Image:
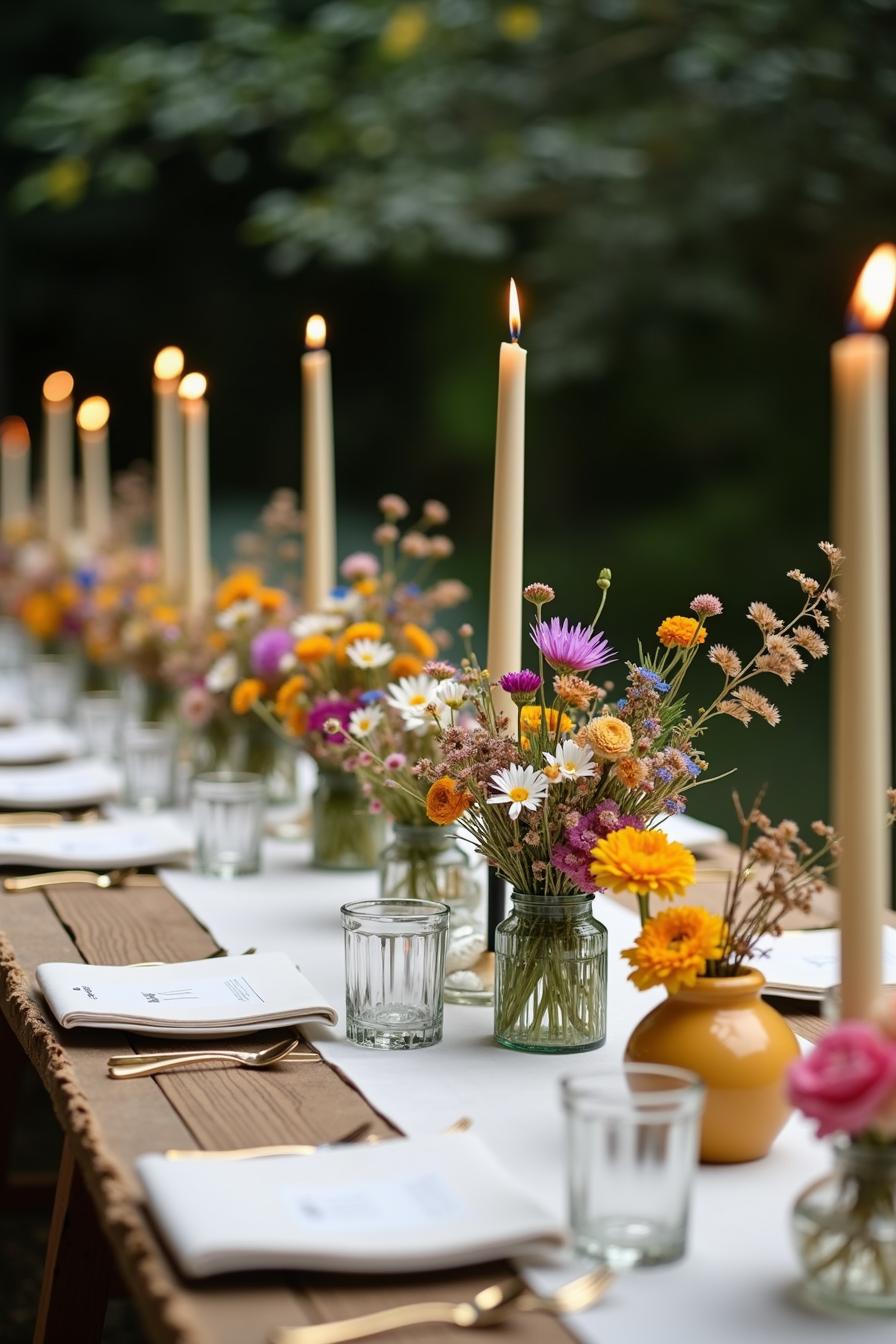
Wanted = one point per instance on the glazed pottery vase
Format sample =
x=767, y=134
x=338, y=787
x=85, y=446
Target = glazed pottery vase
x=845, y=1230
x=724, y=1032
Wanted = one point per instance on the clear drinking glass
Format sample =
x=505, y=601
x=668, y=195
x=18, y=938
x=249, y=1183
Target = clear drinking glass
x=394, y=971
x=100, y=719
x=52, y=686
x=150, y=757
x=633, y=1136
x=228, y=811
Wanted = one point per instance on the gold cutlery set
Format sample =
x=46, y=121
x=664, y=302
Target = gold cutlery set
x=165, y=1061
x=116, y=877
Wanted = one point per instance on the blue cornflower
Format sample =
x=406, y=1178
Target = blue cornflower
x=674, y=806
x=339, y=591
x=692, y=767
x=654, y=678
x=371, y=697
x=621, y=704
x=652, y=725
x=86, y=579
x=665, y=774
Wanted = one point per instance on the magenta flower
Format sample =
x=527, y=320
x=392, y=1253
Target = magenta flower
x=571, y=648
x=573, y=855
x=340, y=711
x=266, y=651
x=847, y=1079
x=520, y=686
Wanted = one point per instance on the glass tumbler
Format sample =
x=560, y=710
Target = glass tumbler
x=394, y=972
x=52, y=686
x=150, y=757
x=228, y=812
x=633, y=1136
x=100, y=717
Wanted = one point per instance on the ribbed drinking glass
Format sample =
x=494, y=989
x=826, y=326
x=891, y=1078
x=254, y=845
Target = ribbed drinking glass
x=394, y=972
x=150, y=757
x=228, y=812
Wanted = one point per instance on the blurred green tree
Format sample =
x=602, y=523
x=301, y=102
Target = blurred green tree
x=631, y=154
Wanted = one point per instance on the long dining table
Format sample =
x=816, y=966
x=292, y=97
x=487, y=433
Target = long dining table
x=740, y=1274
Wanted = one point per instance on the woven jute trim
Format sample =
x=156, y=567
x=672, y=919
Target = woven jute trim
x=116, y=1205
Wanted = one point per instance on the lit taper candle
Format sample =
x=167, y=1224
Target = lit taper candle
x=861, y=671
x=93, y=433
x=505, y=604
x=15, y=479
x=169, y=468
x=58, y=449
x=318, y=487
x=191, y=391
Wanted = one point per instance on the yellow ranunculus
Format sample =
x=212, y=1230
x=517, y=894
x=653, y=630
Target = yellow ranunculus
x=608, y=737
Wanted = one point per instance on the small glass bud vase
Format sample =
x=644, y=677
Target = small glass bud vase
x=346, y=834
x=428, y=863
x=845, y=1231
x=550, y=976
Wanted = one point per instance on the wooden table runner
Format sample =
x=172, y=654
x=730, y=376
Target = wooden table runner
x=109, y=1123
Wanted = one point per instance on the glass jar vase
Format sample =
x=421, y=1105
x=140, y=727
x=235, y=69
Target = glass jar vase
x=345, y=833
x=428, y=863
x=845, y=1230
x=550, y=975
x=248, y=746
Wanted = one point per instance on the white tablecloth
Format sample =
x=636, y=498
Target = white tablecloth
x=739, y=1280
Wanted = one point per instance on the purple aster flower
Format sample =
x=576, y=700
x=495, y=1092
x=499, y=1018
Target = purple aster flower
x=571, y=648
x=573, y=855
x=266, y=650
x=522, y=687
x=338, y=710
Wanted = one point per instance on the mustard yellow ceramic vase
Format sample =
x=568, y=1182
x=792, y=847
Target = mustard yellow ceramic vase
x=741, y=1048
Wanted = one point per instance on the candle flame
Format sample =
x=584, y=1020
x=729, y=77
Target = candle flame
x=515, y=320
x=58, y=386
x=192, y=386
x=315, y=332
x=168, y=363
x=93, y=413
x=872, y=298
x=14, y=437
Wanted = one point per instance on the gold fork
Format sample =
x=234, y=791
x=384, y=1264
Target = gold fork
x=116, y=877
x=141, y=1066
x=491, y=1306
x=459, y=1126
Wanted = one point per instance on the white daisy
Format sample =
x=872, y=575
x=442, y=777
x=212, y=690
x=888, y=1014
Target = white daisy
x=287, y=663
x=433, y=713
x=451, y=693
x=315, y=623
x=522, y=786
x=411, y=694
x=238, y=612
x=363, y=721
x=570, y=762
x=370, y=653
x=223, y=674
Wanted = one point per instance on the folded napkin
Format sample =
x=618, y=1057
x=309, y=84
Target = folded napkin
x=135, y=842
x=225, y=996
x=395, y=1207
x=805, y=963
x=35, y=743
x=67, y=784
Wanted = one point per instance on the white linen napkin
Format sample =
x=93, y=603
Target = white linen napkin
x=67, y=784
x=125, y=842
x=400, y=1206
x=36, y=743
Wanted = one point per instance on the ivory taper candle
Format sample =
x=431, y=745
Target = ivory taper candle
x=191, y=391
x=318, y=487
x=169, y=468
x=861, y=670
x=93, y=433
x=57, y=458
x=505, y=604
x=15, y=482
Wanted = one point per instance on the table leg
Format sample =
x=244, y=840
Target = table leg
x=18, y=1190
x=75, y=1287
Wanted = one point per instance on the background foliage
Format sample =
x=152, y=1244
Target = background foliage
x=685, y=192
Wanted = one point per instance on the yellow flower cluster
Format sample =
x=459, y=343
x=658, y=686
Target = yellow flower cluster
x=673, y=948
x=680, y=632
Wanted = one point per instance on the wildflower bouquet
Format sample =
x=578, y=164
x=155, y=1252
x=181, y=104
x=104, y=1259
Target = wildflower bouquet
x=582, y=769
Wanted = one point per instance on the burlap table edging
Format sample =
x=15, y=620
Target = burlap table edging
x=118, y=1211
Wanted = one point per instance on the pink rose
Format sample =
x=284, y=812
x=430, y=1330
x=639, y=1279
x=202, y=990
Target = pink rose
x=849, y=1078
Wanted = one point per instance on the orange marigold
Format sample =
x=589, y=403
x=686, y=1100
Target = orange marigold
x=245, y=583
x=314, y=648
x=289, y=693
x=362, y=630
x=645, y=862
x=245, y=694
x=674, y=947
x=270, y=599
x=296, y=721
x=405, y=665
x=41, y=615
x=445, y=802
x=680, y=632
x=366, y=587
x=420, y=640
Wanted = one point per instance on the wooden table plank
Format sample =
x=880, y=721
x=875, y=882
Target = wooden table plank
x=152, y=1114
